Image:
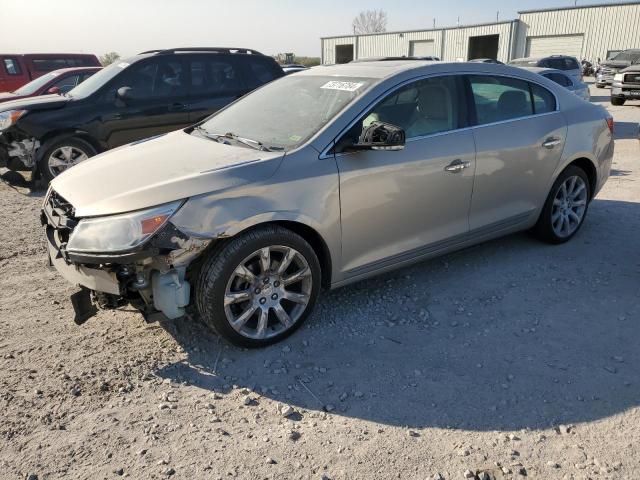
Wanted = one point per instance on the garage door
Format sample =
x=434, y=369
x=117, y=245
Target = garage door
x=560, y=45
x=421, y=48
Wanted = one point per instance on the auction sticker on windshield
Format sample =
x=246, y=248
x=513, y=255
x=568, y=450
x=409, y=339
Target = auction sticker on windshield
x=346, y=86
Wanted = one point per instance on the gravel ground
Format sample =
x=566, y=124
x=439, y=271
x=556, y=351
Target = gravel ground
x=508, y=359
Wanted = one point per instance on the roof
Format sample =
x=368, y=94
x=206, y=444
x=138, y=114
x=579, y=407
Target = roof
x=76, y=69
x=577, y=7
x=455, y=27
x=383, y=70
x=537, y=59
x=541, y=70
x=371, y=69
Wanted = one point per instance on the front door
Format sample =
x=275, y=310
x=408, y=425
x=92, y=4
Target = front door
x=519, y=140
x=159, y=101
x=397, y=204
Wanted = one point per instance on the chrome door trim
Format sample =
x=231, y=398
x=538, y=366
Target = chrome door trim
x=325, y=151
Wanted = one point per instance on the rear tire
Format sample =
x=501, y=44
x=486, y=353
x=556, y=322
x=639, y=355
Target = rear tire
x=617, y=101
x=60, y=154
x=246, y=290
x=566, y=207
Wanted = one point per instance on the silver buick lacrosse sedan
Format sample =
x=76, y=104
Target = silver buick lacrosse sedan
x=319, y=179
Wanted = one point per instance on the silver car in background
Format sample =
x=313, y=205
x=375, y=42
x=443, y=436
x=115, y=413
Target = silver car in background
x=578, y=87
x=320, y=179
x=565, y=63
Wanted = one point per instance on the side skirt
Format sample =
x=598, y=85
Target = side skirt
x=483, y=234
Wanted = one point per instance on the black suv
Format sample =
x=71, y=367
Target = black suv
x=152, y=93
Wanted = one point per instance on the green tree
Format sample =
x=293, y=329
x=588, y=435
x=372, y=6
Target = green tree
x=109, y=58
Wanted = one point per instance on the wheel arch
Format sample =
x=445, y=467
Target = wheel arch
x=590, y=169
x=68, y=133
x=308, y=232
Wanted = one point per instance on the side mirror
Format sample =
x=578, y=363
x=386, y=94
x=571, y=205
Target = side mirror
x=54, y=91
x=379, y=136
x=125, y=94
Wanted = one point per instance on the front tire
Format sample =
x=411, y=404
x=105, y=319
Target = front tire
x=259, y=287
x=60, y=154
x=566, y=207
x=617, y=101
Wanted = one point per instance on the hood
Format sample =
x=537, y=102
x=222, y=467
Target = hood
x=43, y=102
x=615, y=64
x=631, y=69
x=159, y=170
x=6, y=96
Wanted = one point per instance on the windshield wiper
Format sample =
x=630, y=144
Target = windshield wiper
x=255, y=144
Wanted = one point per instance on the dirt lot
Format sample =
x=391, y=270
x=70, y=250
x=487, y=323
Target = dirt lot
x=513, y=357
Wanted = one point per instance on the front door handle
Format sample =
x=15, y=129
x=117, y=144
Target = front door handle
x=457, y=166
x=551, y=142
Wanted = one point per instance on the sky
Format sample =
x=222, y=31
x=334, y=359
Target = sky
x=277, y=26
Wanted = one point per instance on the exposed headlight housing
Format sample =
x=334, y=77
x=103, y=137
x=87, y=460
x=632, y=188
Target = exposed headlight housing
x=9, y=117
x=618, y=77
x=120, y=233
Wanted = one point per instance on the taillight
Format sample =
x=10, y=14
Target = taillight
x=610, y=124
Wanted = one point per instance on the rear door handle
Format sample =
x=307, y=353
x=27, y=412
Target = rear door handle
x=551, y=142
x=457, y=166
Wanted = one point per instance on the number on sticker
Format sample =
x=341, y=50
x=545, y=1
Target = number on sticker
x=346, y=86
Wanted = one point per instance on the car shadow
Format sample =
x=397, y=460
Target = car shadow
x=510, y=334
x=20, y=183
x=626, y=130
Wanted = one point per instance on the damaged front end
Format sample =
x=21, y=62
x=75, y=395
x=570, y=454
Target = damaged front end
x=153, y=275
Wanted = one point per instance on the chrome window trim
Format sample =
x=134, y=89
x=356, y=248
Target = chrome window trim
x=325, y=151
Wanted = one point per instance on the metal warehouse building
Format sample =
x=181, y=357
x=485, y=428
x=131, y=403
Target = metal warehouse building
x=591, y=31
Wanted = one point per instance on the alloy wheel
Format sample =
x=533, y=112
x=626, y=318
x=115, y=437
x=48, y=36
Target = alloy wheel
x=63, y=158
x=268, y=292
x=569, y=206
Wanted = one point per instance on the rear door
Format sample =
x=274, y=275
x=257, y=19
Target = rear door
x=519, y=139
x=13, y=73
x=216, y=81
x=159, y=104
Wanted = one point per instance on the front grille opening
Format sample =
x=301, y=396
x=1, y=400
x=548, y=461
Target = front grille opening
x=61, y=215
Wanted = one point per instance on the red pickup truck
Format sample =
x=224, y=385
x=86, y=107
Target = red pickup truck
x=17, y=70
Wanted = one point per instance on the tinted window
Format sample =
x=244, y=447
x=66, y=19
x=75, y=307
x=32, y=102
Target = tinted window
x=158, y=78
x=560, y=79
x=214, y=75
x=66, y=84
x=555, y=63
x=48, y=64
x=543, y=99
x=12, y=66
x=261, y=71
x=500, y=98
x=572, y=63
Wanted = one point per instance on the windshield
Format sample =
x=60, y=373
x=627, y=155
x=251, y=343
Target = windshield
x=34, y=86
x=628, y=56
x=96, y=81
x=287, y=112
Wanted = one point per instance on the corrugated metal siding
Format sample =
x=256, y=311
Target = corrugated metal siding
x=607, y=27
x=456, y=40
x=329, y=47
x=604, y=28
x=395, y=44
